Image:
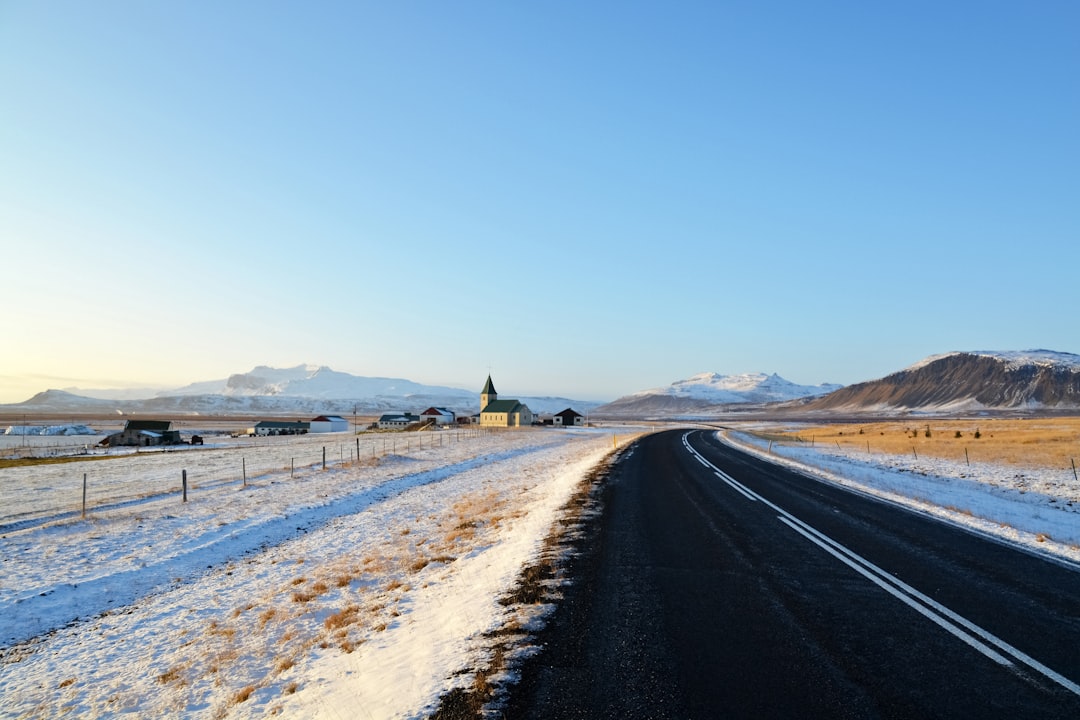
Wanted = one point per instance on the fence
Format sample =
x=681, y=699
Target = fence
x=103, y=480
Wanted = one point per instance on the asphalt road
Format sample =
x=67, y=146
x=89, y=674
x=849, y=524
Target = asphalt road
x=715, y=585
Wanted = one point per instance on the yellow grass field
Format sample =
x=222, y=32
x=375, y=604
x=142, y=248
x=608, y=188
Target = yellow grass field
x=1029, y=443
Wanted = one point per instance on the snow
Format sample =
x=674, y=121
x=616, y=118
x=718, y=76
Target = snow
x=745, y=387
x=302, y=390
x=50, y=430
x=361, y=590
x=1035, y=508
x=1013, y=359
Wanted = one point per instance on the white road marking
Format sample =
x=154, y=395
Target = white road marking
x=943, y=616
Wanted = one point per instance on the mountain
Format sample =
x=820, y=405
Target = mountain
x=967, y=382
x=711, y=392
x=312, y=381
x=54, y=401
x=300, y=390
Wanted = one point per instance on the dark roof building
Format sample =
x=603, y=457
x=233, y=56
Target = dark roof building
x=568, y=418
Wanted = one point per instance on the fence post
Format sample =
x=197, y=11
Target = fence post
x=323, y=457
x=243, y=464
x=184, y=483
x=84, y=494
x=915, y=453
x=357, y=449
x=1073, y=461
x=966, y=458
x=292, y=467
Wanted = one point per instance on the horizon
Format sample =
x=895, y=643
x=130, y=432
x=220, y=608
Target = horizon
x=588, y=201
x=75, y=389
x=1035, y=355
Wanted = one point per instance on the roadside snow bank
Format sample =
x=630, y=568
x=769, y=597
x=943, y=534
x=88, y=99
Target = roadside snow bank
x=361, y=591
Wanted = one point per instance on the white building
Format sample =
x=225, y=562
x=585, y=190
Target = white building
x=329, y=423
x=441, y=416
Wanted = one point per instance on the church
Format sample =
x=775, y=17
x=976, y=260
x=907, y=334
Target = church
x=502, y=413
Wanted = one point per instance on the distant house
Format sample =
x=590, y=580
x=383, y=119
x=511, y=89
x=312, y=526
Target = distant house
x=273, y=427
x=502, y=413
x=329, y=423
x=397, y=421
x=567, y=418
x=144, y=433
x=441, y=416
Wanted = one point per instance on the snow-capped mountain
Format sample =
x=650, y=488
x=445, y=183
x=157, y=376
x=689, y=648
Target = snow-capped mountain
x=300, y=390
x=744, y=388
x=968, y=382
x=708, y=391
x=311, y=381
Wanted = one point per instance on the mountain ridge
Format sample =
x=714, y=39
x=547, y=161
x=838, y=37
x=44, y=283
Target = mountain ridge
x=967, y=381
x=708, y=391
x=303, y=389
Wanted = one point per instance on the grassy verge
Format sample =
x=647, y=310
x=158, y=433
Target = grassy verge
x=21, y=462
x=1031, y=443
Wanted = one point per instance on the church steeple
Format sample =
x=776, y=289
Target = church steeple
x=488, y=394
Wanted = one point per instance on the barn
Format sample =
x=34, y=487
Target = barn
x=328, y=423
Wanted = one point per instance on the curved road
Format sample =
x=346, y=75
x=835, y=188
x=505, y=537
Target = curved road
x=718, y=585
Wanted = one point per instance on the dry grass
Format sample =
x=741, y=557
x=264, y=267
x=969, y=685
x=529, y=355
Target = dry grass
x=243, y=694
x=172, y=676
x=1033, y=443
x=342, y=603
x=534, y=585
x=348, y=615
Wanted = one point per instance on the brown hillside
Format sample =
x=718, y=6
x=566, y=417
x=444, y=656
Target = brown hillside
x=964, y=378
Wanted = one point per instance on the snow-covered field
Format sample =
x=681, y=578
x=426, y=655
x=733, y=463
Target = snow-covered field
x=1033, y=507
x=363, y=590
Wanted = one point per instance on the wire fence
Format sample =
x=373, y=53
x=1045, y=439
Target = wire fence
x=102, y=479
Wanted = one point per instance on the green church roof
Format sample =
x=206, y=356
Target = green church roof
x=489, y=389
x=502, y=406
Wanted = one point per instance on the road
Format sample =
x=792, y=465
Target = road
x=718, y=585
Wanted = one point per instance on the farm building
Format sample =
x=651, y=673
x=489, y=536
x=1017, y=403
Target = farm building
x=441, y=416
x=273, y=427
x=502, y=413
x=329, y=423
x=567, y=418
x=397, y=421
x=144, y=433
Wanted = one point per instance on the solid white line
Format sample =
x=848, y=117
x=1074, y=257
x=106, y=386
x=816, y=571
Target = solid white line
x=898, y=587
x=935, y=605
x=737, y=487
x=907, y=600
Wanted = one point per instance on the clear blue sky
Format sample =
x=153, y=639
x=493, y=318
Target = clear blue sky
x=589, y=198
